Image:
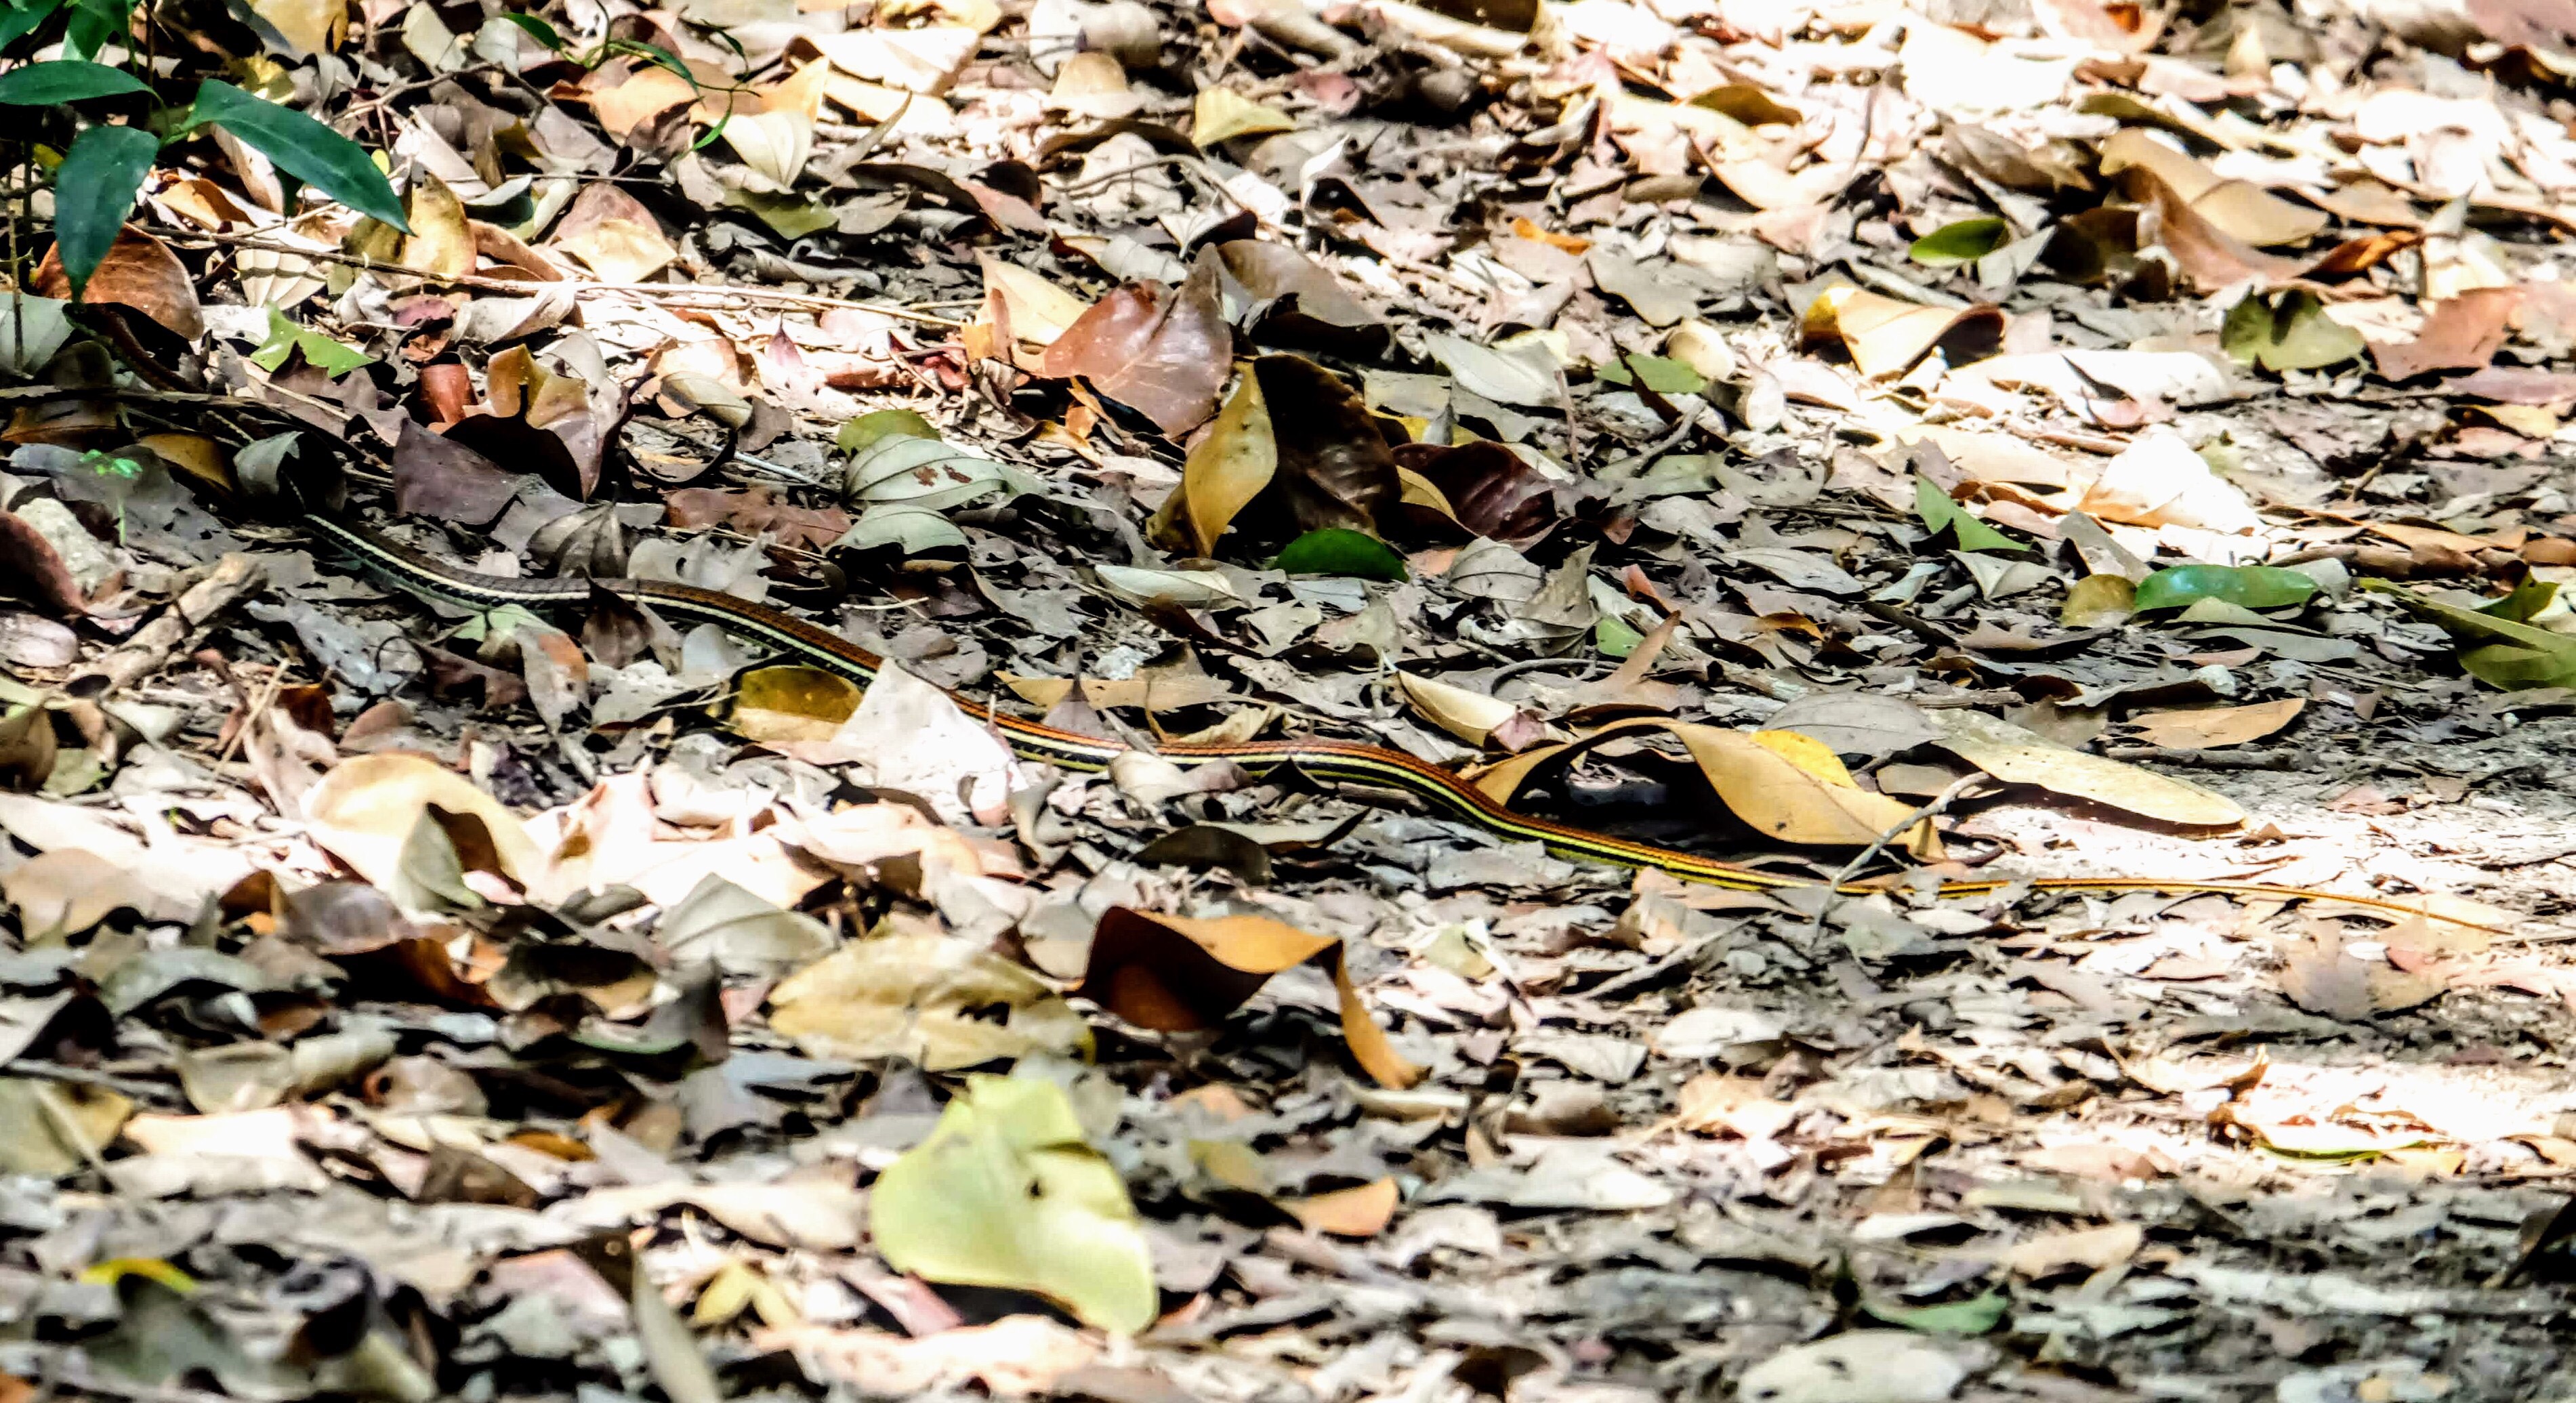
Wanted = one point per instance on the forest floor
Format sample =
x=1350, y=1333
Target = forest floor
x=1999, y=440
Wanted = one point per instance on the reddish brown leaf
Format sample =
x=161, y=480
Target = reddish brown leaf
x=29, y=566
x=1165, y=358
x=2463, y=333
x=139, y=272
x=1492, y=491
x=437, y=477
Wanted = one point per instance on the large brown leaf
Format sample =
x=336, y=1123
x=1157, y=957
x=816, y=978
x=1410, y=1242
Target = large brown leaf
x=1491, y=490
x=139, y=272
x=30, y=568
x=1164, y=357
x=1306, y=306
x=1335, y=468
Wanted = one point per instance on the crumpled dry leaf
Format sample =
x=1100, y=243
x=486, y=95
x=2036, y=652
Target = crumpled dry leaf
x=368, y=806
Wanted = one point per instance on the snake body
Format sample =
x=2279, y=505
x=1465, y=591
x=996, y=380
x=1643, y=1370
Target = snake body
x=1327, y=760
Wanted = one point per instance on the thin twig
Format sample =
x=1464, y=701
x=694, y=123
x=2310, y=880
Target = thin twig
x=1833, y=888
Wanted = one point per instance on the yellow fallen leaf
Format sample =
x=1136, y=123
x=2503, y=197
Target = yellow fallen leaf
x=2089, y=1248
x=1222, y=115
x=1886, y=336
x=1470, y=716
x=1359, y=1212
x=792, y=703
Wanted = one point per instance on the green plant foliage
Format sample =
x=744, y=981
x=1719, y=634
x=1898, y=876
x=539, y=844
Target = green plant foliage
x=94, y=190
x=2245, y=586
x=1338, y=550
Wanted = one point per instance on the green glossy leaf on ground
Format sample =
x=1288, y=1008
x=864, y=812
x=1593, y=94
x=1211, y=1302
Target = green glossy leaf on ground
x=1950, y=1318
x=2290, y=333
x=884, y=423
x=1614, y=637
x=94, y=191
x=2246, y=586
x=303, y=148
x=2097, y=600
x=64, y=80
x=321, y=352
x=1006, y=1192
x=1964, y=242
x=1940, y=513
x=1338, y=550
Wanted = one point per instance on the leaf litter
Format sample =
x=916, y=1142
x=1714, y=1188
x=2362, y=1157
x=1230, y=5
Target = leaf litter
x=2036, y=440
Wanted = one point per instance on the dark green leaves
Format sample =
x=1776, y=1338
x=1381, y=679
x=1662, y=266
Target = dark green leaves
x=93, y=191
x=1338, y=550
x=63, y=80
x=303, y=148
x=20, y=20
x=2246, y=586
x=1942, y=514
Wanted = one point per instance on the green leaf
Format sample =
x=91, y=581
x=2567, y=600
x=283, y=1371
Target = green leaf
x=538, y=30
x=884, y=423
x=1963, y=242
x=789, y=216
x=19, y=21
x=2526, y=602
x=93, y=23
x=94, y=191
x=1666, y=376
x=2497, y=651
x=321, y=352
x=910, y=529
x=1951, y=1318
x=1661, y=374
x=2245, y=586
x=1940, y=514
x=1007, y=1192
x=303, y=148
x=1338, y=550
x=2291, y=332
x=64, y=80
x=1615, y=637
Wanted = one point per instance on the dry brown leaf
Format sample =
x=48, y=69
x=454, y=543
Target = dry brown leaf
x=1357, y=1212
x=1163, y=355
x=139, y=272
x=2091, y=1249
x=2234, y=207
x=2205, y=727
x=2463, y=333
x=1184, y=974
x=1886, y=337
